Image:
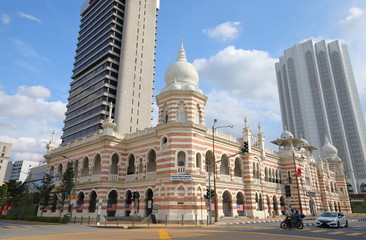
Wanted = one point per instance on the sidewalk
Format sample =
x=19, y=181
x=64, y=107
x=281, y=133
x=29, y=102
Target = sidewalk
x=221, y=222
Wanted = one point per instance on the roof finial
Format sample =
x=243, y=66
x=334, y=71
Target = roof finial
x=245, y=122
x=182, y=53
x=110, y=112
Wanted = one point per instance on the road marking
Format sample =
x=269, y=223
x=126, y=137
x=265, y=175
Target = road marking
x=339, y=232
x=164, y=235
x=319, y=231
x=354, y=234
x=269, y=234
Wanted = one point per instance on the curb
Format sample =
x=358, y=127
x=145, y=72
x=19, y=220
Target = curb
x=280, y=220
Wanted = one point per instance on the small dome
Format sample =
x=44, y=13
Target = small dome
x=287, y=135
x=328, y=150
x=305, y=143
x=181, y=75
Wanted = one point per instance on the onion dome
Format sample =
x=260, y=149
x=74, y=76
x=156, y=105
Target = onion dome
x=287, y=135
x=329, y=151
x=181, y=75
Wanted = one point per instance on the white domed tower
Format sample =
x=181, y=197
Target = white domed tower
x=181, y=100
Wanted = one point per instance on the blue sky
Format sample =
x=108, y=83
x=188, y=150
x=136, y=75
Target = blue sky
x=233, y=44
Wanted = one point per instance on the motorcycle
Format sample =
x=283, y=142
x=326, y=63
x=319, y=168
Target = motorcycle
x=286, y=223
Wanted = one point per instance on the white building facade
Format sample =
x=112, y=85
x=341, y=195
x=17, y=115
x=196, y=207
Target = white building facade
x=19, y=170
x=319, y=100
x=5, y=150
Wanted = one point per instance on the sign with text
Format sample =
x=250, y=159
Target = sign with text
x=181, y=177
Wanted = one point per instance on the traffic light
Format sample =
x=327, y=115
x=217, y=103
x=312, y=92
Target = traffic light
x=288, y=190
x=245, y=147
x=135, y=196
x=208, y=192
x=212, y=193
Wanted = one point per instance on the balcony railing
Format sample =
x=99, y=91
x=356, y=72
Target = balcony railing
x=113, y=177
x=181, y=169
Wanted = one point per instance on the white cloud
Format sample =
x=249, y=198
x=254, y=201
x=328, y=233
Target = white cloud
x=224, y=31
x=34, y=91
x=354, y=13
x=27, y=120
x=243, y=84
x=29, y=103
x=4, y=18
x=249, y=74
x=30, y=17
x=26, y=148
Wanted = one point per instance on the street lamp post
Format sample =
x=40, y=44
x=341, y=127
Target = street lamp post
x=214, y=162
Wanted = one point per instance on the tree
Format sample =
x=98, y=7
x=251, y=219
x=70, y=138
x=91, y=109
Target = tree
x=15, y=193
x=67, y=183
x=45, y=190
x=4, y=194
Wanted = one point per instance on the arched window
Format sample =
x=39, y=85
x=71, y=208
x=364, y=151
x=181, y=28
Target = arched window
x=265, y=174
x=114, y=164
x=59, y=172
x=198, y=160
x=363, y=188
x=198, y=115
x=237, y=168
x=289, y=179
x=181, y=162
x=258, y=175
x=307, y=176
x=165, y=115
x=97, y=165
x=182, y=112
x=131, y=165
x=209, y=161
x=151, y=161
x=224, y=167
x=85, y=170
x=349, y=188
x=141, y=166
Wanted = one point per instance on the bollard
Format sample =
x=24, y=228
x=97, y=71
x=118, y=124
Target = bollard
x=195, y=219
x=117, y=219
x=88, y=220
x=74, y=219
x=148, y=221
x=207, y=220
x=166, y=220
x=81, y=220
x=182, y=219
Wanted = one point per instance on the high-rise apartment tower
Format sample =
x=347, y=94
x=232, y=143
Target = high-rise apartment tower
x=114, y=63
x=319, y=99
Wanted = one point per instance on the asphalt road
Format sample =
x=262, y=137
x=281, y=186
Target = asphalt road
x=254, y=231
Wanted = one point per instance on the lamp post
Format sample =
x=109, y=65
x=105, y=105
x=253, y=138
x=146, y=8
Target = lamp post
x=73, y=190
x=214, y=161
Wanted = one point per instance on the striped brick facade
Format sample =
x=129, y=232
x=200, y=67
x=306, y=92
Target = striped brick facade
x=169, y=166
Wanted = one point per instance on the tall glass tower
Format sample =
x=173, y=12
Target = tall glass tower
x=319, y=98
x=114, y=63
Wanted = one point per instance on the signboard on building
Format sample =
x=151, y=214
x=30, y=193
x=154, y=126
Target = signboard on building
x=181, y=177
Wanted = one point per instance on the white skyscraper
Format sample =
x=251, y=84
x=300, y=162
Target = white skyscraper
x=319, y=99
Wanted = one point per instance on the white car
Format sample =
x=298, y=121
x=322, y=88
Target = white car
x=332, y=219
